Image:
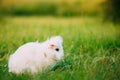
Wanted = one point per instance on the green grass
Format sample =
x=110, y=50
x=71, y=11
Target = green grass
x=92, y=48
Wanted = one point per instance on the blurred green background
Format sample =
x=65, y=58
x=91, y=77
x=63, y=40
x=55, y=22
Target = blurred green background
x=90, y=30
x=107, y=9
x=52, y=7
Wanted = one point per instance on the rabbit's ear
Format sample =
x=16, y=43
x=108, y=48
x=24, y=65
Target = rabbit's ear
x=57, y=39
x=60, y=39
x=52, y=46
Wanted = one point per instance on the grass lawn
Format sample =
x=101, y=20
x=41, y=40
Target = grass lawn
x=91, y=47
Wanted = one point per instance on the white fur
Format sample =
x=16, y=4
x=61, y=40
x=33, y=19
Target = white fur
x=34, y=56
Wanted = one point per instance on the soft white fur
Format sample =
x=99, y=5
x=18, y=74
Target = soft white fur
x=34, y=56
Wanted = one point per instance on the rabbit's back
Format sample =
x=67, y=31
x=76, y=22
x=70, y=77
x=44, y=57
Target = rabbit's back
x=25, y=58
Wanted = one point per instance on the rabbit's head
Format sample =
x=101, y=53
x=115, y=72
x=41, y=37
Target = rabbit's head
x=55, y=47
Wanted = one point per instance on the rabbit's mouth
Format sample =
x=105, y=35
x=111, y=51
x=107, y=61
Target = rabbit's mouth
x=55, y=59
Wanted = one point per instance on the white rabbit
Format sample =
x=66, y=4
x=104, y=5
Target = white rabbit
x=34, y=56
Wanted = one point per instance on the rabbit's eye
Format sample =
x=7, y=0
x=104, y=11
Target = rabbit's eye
x=57, y=49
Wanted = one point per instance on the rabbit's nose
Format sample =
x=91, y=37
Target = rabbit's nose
x=57, y=49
